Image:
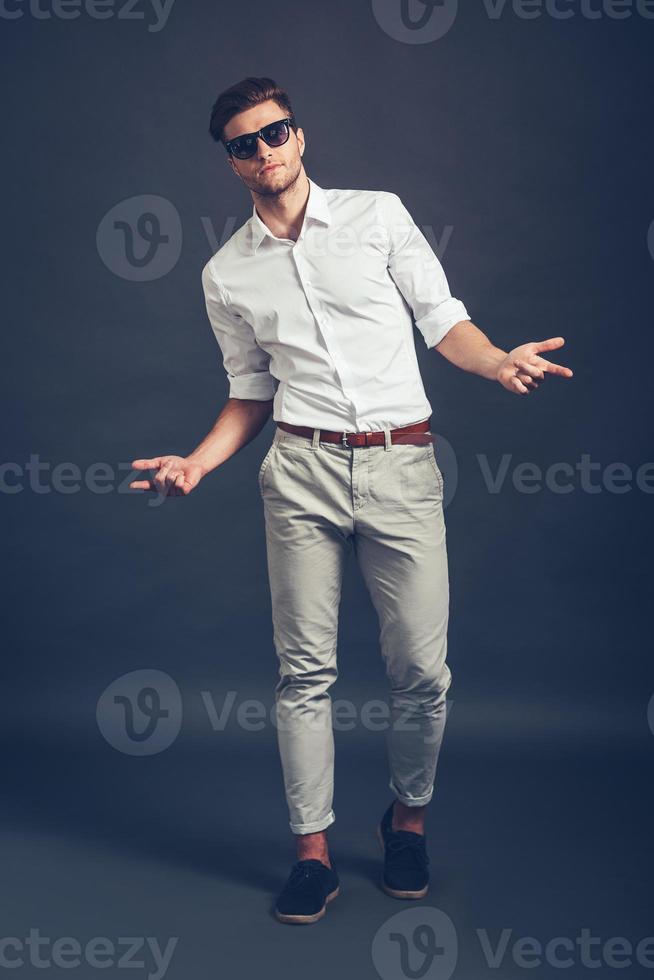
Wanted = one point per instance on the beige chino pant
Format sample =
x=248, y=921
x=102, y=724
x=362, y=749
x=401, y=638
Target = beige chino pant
x=385, y=502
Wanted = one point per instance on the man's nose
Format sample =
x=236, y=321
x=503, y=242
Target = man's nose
x=263, y=150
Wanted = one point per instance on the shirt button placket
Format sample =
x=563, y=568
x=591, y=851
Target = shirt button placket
x=325, y=331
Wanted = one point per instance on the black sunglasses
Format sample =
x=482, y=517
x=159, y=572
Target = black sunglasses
x=274, y=134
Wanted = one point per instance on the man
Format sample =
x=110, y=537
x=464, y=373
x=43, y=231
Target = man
x=312, y=302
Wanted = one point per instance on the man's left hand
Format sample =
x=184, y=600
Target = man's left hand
x=523, y=369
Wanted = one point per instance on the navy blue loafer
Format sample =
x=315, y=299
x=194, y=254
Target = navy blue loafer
x=406, y=872
x=310, y=886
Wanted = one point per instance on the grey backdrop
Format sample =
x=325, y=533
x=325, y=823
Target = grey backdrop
x=520, y=140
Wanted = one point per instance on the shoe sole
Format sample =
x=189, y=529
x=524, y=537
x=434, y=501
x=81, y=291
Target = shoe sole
x=395, y=892
x=307, y=919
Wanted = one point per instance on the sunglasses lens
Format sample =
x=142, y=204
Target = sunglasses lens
x=276, y=134
x=244, y=147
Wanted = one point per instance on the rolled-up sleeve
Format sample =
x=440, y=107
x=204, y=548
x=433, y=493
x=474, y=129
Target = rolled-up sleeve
x=418, y=274
x=246, y=364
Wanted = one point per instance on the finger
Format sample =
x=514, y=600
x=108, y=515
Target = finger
x=189, y=481
x=176, y=481
x=161, y=477
x=172, y=476
x=550, y=344
x=141, y=485
x=557, y=369
x=531, y=370
x=147, y=464
x=527, y=380
x=518, y=385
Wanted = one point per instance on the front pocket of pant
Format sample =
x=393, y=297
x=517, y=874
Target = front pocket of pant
x=421, y=477
x=263, y=468
x=439, y=475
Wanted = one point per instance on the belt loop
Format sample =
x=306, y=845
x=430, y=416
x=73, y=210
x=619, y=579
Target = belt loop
x=316, y=439
x=387, y=436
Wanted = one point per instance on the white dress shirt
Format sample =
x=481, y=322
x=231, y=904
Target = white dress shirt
x=325, y=324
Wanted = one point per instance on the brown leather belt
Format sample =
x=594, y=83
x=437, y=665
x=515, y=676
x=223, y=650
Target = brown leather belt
x=417, y=433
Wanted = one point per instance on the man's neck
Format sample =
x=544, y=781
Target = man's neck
x=283, y=213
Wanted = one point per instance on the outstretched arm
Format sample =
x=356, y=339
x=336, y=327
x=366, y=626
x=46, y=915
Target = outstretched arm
x=519, y=371
x=238, y=423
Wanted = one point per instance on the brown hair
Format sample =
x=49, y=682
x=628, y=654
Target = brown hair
x=245, y=94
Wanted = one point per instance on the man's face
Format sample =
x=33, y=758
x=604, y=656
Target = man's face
x=288, y=157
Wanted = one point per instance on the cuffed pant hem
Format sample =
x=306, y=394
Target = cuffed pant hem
x=412, y=800
x=314, y=826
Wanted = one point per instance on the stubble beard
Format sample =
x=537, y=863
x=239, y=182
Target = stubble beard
x=277, y=189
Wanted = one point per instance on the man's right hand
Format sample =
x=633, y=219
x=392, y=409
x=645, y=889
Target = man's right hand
x=175, y=475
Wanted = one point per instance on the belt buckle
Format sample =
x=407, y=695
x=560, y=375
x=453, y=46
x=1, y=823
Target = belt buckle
x=344, y=440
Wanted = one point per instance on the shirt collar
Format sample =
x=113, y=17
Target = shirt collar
x=317, y=209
